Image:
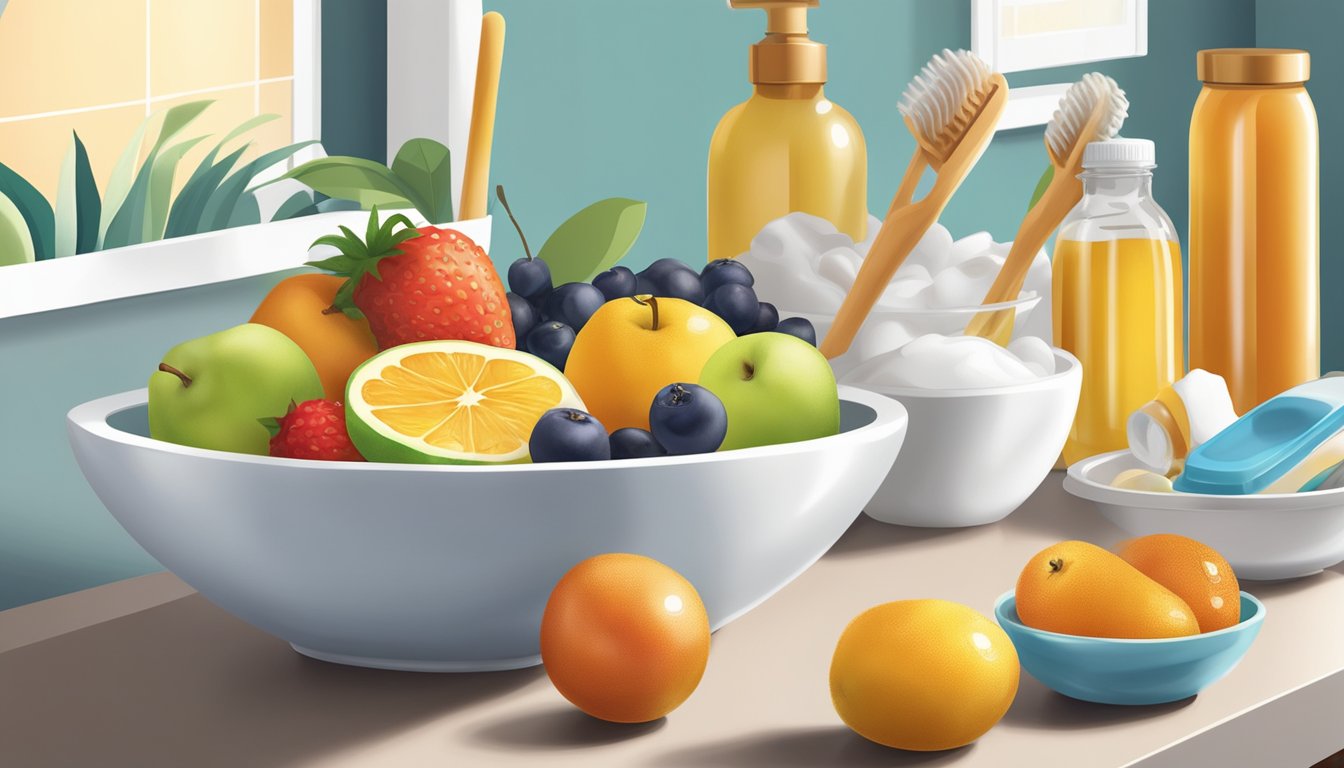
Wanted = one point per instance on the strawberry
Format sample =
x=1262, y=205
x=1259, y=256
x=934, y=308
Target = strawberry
x=314, y=429
x=419, y=284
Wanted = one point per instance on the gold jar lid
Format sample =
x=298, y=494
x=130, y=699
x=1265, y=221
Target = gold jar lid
x=1254, y=66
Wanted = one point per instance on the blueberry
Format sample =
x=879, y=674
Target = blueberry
x=573, y=303
x=565, y=434
x=724, y=271
x=670, y=278
x=767, y=319
x=529, y=278
x=687, y=418
x=551, y=341
x=683, y=285
x=800, y=327
x=616, y=283
x=524, y=316
x=737, y=305
x=635, y=443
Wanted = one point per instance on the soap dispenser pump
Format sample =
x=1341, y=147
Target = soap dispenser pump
x=787, y=148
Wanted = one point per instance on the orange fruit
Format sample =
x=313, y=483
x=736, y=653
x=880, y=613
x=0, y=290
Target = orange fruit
x=335, y=342
x=622, y=358
x=1194, y=571
x=923, y=675
x=625, y=638
x=1076, y=588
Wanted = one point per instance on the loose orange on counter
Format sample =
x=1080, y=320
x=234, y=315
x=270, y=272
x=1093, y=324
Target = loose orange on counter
x=336, y=343
x=1077, y=588
x=923, y=675
x=625, y=638
x=1194, y=571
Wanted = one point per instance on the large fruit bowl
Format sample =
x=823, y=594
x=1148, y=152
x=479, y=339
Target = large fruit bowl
x=448, y=568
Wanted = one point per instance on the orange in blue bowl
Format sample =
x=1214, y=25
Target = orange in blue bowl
x=1123, y=671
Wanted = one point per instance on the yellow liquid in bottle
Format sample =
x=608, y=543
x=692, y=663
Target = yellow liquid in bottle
x=1118, y=308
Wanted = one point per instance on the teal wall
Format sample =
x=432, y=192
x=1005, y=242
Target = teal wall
x=599, y=98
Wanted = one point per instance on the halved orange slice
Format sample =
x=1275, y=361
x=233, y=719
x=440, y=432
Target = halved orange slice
x=451, y=402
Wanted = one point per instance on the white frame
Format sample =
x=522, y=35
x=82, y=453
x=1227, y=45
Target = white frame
x=212, y=257
x=1035, y=105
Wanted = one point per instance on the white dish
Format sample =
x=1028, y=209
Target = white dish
x=974, y=455
x=444, y=568
x=1264, y=537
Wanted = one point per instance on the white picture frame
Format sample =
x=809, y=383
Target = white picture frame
x=1022, y=35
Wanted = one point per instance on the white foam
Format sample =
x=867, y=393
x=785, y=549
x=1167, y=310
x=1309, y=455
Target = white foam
x=935, y=361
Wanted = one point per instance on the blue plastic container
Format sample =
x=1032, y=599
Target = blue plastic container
x=1268, y=442
x=1136, y=672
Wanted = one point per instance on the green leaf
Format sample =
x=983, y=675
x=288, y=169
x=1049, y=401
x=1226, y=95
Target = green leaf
x=88, y=206
x=1042, y=185
x=67, y=217
x=593, y=239
x=219, y=207
x=37, y=214
x=354, y=178
x=246, y=211
x=161, y=188
x=119, y=183
x=16, y=244
x=298, y=204
x=185, y=218
x=132, y=223
x=426, y=167
x=176, y=119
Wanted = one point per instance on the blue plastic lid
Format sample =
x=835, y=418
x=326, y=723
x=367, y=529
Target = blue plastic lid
x=1261, y=446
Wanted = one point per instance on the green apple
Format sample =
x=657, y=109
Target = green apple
x=776, y=388
x=213, y=391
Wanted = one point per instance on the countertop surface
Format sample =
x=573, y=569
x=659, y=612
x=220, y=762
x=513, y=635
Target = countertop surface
x=146, y=673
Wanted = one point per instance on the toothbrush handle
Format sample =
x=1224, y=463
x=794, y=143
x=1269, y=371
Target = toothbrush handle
x=1060, y=197
x=909, y=182
x=901, y=231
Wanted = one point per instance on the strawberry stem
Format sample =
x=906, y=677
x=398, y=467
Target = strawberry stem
x=166, y=368
x=499, y=191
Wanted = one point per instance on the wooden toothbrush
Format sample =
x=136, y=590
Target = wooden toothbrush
x=951, y=108
x=476, y=178
x=1093, y=109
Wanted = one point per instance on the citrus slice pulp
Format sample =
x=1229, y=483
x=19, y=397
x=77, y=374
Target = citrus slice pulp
x=451, y=402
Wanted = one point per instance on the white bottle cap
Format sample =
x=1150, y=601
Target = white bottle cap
x=1120, y=153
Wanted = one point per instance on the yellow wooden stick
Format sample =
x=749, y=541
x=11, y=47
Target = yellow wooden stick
x=476, y=178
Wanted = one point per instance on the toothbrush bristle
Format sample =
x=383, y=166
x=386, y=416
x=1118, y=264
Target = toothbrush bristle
x=1076, y=107
x=944, y=97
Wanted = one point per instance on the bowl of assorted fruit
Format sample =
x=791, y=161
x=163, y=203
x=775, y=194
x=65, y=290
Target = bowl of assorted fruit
x=1160, y=620
x=394, y=466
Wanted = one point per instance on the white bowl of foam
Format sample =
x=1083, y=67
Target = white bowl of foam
x=972, y=454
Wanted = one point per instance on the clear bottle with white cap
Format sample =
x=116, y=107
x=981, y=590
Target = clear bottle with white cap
x=1118, y=294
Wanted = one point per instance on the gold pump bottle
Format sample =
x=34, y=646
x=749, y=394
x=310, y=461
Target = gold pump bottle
x=787, y=148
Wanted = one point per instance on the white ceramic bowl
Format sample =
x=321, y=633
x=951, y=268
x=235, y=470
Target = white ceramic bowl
x=911, y=324
x=448, y=568
x=1263, y=536
x=974, y=455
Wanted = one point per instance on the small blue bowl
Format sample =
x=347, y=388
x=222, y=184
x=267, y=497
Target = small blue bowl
x=1114, y=671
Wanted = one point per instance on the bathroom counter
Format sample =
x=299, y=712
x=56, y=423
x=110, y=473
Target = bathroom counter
x=146, y=673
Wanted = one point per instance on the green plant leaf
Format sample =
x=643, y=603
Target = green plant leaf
x=593, y=239
x=177, y=118
x=219, y=207
x=246, y=211
x=298, y=204
x=67, y=215
x=16, y=243
x=129, y=224
x=185, y=217
x=88, y=206
x=119, y=183
x=426, y=167
x=1042, y=185
x=161, y=188
x=354, y=178
x=36, y=211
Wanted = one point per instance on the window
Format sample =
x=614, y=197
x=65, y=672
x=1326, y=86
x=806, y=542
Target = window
x=99, y=68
